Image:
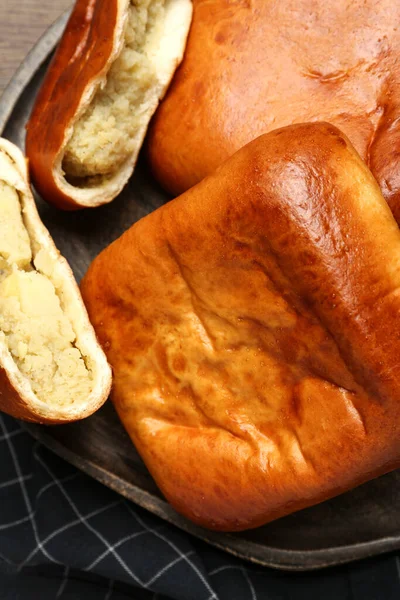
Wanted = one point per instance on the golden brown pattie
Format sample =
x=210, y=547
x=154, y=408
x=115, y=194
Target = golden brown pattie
x=253, y=329
x=251, y=67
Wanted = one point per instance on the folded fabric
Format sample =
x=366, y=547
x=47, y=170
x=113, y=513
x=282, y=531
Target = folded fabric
x=65, y=536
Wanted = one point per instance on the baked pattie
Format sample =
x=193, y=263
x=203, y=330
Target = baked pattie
x=52, y=369
x=114, y=63
x=253, y=329
x=251, y=67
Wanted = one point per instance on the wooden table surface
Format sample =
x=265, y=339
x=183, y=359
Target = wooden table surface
x=21, y=24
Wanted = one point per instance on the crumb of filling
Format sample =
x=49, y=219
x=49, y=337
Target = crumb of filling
x=105, y=136
x=38, y=333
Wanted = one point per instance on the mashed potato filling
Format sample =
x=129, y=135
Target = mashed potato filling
x=105, y=136
x=15, y=243
x=39, y=335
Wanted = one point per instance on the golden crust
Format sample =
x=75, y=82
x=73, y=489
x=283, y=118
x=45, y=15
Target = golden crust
x=251, y=67
x=16, y=395
x=252, y=326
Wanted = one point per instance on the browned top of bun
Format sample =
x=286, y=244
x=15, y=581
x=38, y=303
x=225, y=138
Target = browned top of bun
x=251, y=67
x=252, y=326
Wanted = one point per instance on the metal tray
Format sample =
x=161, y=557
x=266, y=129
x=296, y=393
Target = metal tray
x=358, y=524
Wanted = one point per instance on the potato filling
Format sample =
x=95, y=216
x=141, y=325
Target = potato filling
x=104, y=137
x=38, y=333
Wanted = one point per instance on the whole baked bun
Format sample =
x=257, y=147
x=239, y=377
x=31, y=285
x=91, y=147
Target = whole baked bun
x=251, y=67
x=52, y=369
x=114, y=63
x=253, y=329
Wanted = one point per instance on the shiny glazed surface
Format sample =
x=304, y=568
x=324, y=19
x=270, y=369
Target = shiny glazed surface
x=252, y=327
x=254, y=66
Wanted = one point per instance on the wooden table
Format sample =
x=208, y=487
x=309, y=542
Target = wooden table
x=21, y=24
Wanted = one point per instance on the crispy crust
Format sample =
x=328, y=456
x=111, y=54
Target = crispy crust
x=92, y=40
x=251, y=67
x=252, y=325
x=16, y=395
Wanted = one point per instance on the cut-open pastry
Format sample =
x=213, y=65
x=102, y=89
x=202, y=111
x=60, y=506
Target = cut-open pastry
x=253, y=329
x=112, y=67
x=52, y=368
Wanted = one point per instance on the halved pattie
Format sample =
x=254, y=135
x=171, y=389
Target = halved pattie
x=52, y=367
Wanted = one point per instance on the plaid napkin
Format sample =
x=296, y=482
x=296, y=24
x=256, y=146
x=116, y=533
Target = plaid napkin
x=63, y=535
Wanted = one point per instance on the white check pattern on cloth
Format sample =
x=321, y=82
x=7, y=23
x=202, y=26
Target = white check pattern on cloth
x=53, y=514
x=65, y=536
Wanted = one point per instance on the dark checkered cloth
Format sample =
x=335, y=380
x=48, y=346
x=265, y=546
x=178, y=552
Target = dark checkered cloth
x=63, y=535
